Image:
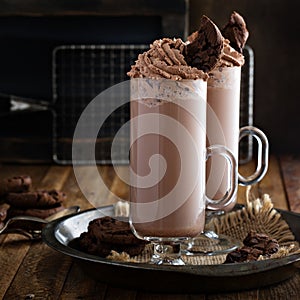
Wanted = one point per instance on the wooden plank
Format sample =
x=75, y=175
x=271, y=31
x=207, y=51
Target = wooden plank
x=77, y=283
x=273, y=185
x=90, y=189
x=40, y=260
x=41, y=274
x=13, y=248
x=161, y=296
x=12, y=252
x=289, y=289
x=290, y=165
x=119, y=188
x=120, y=294
x=245, y=170
x=80, y=286
x=249, y=295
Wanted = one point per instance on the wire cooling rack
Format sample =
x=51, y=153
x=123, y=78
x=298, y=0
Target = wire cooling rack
x=81, y=72
x=246, y=104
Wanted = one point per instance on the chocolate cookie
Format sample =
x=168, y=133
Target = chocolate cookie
x=96, y=247
x=38, y=199
x=106, y=234
x=16, y=184
x=39, y=213
x=205, y=46
x=236, y=32
x=111, y=230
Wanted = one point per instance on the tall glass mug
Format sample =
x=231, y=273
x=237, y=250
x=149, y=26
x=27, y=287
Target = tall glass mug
x=223, y=99
x=167, y=164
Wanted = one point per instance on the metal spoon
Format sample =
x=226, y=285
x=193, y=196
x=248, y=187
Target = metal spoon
x=31, y=227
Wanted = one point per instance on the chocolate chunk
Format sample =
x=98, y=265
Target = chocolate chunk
x=205, y=46
x=236, y=32
x=38, y=199
x=243, y=254
x=255, y=244
x=262, y=242
x=16, y=184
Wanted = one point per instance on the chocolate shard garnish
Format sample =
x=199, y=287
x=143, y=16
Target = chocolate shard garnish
x=236, y=32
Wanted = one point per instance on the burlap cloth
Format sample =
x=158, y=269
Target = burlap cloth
x=258, y=215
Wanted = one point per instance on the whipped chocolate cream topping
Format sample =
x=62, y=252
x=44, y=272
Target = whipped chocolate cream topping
x=236, y=32
x=230, y=57
x=165, y=59
x=205, y=46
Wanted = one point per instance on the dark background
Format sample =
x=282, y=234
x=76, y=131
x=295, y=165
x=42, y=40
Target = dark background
x=274, y=28
x=30, y=30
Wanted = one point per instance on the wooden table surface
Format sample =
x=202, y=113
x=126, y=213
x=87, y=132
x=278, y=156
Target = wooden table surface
x=32, y=270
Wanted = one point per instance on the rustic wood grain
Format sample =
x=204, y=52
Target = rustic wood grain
x=273, y=185
x=36, y=260
x=94, y=184
x=79, y=286
x=12, y=251
x=157, y=296
x=32, y=268
x=290, y=165
x=119, y=188
x=287, y=290
x=77, y=283
x=245, y=170
x=12, y=254
x=120, y=294
x=41, y=274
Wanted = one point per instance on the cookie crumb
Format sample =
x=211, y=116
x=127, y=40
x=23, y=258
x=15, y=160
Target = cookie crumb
x=121, y=257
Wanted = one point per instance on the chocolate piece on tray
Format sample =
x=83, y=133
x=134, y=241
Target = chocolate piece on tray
x=106, y=234
x=38, y=199
x=255, y=245
x=205, y=46
x=16, y=184
x=262, y=242
x=243, y=254
x=236, y=32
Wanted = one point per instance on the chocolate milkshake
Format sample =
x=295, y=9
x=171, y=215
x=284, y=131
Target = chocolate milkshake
x=167, y=155
x=223, y=103
x=223, y=97
x=168, y=143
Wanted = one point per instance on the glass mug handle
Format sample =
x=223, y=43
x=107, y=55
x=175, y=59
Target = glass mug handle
x=232, y=170
x=263, y=155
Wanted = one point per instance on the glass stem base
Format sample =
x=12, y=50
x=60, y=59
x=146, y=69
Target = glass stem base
x=167, y=254
x=210, y=243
